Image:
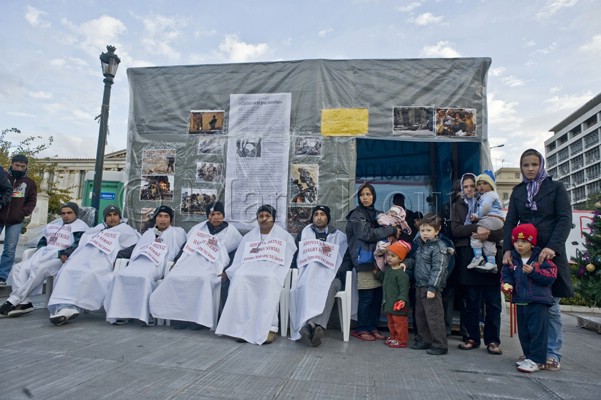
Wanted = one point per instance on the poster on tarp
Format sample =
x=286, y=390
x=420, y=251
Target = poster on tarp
x=457, y=122
x=413, y=121
x=257, y=154
x=304, y=183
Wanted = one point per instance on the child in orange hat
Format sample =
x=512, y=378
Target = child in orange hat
x=395, y=283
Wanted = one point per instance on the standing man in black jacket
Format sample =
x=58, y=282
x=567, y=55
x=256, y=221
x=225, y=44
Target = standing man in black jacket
x=22, y=195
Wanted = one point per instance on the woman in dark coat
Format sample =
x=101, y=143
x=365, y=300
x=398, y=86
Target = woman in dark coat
x=476, y=287
x=545, y=203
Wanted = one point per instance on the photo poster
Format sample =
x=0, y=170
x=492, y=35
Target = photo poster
x=257, y=157
x=211, y=172
x=140, y=220
x=413, y=121
x=157, y=187
x=456, y=122
x=195, y=200
x=307, y=146
x=158, y=162
x=298, y=218
x=210, y=145
x=304, y=183
x=206, y=121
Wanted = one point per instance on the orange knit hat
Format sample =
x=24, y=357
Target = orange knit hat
x=400, y=248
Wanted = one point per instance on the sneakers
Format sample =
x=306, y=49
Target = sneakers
x=20, y=309
x=487, y=267
x=530, y=366
x=64, y=315
x=475, y=262
x=2, y=283
x=520, y=360
x=271, y=337
x=552, y=364
x=317, y=335
x=6, y=308
x=435, y=351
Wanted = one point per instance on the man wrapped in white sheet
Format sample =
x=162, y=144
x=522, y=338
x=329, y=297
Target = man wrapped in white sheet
x=257, y=277
x=185, y=296
x=83, y=281
x=61, y=238
x=127, y=297
x=320, y=254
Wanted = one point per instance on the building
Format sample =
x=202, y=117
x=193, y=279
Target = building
x=506, y=178
x=71, y=172
x=573, y=153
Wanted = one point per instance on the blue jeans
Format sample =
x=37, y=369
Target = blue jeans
x=555, y=331
x=11, y=238
x=368, y=311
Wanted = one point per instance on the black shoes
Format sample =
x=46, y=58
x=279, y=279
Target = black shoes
x=9, y=310
x=437, y=351
x=6, y=308
x=419, y=345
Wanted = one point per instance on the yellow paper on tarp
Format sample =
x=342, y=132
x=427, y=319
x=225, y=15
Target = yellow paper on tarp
x=344, y=121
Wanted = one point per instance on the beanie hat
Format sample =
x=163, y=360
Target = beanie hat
x=165, y=209
x=526, y=232
x=110, y=209
x=400, y=248
x=325, y=209
x=268, y=208
x=217, y=206
x=488, y=177
x=73, y=206
x=20, y=158
x=371, y=189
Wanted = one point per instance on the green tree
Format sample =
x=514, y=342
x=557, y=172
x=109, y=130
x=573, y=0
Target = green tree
x=32, y=147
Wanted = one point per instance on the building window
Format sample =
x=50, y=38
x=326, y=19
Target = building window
x=578, y=177
x=592, y=155
x=577, y=162
x=505, y=196
x=591, y=139
x=564, y=168
x=579, y=194
x=563, y=154
x=590, y=122
x=576, y=131
x=593, y=172
x=593, y=188
x=576, y=147
x=518, y=175
x=552, y=160
x=563, y=139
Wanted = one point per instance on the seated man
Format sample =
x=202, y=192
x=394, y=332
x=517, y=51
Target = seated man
x=320, y=254
x=186, y=294
x=60, y=239
x=127, y=297
x=257, y=277
x=83, y=281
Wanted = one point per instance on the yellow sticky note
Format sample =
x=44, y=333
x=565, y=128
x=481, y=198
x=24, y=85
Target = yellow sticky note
x=344, y=121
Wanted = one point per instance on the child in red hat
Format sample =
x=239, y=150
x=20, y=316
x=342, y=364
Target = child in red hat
x=530, y=282
x=395, y=283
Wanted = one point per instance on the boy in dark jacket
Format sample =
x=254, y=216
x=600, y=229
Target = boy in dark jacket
x=395, y=283
x=530, y=282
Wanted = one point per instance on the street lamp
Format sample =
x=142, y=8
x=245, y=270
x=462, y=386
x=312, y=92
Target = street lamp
x=494, y=147
x=109, y=62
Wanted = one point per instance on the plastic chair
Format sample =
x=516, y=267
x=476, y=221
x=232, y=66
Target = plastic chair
x=284, y=304
x=49, y=283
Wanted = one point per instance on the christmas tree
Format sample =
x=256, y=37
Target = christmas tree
x=587, y=271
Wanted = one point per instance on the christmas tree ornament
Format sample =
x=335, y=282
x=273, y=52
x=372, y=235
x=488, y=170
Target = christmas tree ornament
x=590, y=267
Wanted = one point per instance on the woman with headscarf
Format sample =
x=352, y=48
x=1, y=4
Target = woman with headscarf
x=545, y=203
x=363, y=233
x=476, y=286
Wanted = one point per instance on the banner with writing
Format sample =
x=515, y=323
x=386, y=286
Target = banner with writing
x=155, y=252
x=313, y=250
x=105, y=241
x=204, y=244
x=273, y=250
x=59, y=236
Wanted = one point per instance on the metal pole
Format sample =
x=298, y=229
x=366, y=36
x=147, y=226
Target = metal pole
x=104, y=116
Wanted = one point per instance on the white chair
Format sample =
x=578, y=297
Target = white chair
x=344, y=300
x=284, y=304
x=49, y=283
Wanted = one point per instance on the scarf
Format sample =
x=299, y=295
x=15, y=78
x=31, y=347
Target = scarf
x=533, y=186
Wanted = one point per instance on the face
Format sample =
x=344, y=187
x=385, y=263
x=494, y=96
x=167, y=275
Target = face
x=469, y=188
x=484, y=187
x=68, y=215
x=265, y=221
x=320, y=219
x=366, y=198
x=215, y=218
x=392, y=259
x=530, y=166
x=162, y=221
x=112, y=219
x=428, y=232
x=19, y=166
x=523, y=247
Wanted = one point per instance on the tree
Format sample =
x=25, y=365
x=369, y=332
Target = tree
x=587, y=269
x=32, y=147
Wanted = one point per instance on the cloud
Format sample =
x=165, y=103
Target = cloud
x=39, y=95
x=513, y=81
x=497, y=71
x=426, y=19
x=502, y=115
x=545, y=50
x=554, y=6
x=95, y=34
x=568, y=102
x=34, y=17
x=554, y=89
x=442, y=49
x=405, y=8
x=324, y=32
x=160, y=33
x=594, y=46
x=530, y=43
x=236, y=50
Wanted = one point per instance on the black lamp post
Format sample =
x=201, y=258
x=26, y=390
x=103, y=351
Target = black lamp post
x=109, y=62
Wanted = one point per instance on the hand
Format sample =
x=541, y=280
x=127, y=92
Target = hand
x=527, y=268
x=430, y=294
x=64, y=258
x=399, y=305
x=481, y=234
x=473, y=217
x=506, y=288
x=507, y=257
x=223, y=276
x=403, y=266
x=546, y=254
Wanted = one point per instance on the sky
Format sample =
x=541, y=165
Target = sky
x=546, y=54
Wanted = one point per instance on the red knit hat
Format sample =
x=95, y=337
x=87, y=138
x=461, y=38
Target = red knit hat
x=526, y=232
x=400, y=248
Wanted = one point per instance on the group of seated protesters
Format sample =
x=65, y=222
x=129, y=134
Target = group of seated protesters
x=173, y=275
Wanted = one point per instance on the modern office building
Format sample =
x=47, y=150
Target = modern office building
x=573, y=153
